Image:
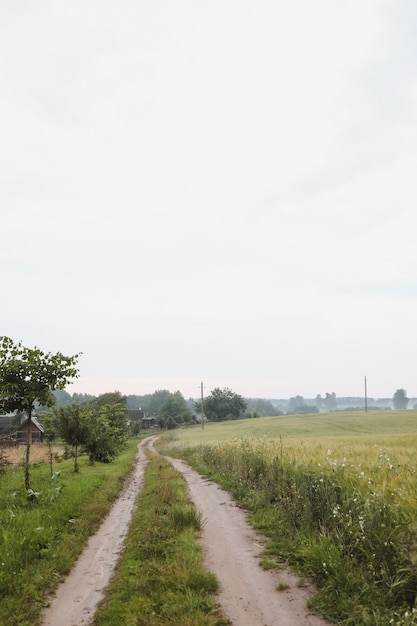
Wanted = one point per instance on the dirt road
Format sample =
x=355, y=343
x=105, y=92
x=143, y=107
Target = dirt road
x=231, y=549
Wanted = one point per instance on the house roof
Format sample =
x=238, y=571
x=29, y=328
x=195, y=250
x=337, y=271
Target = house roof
x=34, y=421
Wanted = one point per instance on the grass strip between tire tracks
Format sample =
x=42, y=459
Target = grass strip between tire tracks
x=160, y=579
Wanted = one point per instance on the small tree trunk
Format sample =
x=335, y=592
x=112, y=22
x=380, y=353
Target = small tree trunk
x=29, y=440
x=50, y=457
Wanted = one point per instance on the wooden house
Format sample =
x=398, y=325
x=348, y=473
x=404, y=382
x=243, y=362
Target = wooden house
x=36, y=431
x=134, y=415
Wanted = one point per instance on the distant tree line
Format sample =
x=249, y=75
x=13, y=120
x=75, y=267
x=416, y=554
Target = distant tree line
x=172, y=410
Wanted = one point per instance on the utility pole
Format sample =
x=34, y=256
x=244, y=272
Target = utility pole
x=366, y=397
x=202, y=407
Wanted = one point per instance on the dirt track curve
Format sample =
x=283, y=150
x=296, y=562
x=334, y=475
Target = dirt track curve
x=231, y=548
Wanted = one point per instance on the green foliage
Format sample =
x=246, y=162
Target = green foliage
x=150, y=403
x=100, y=429
x=222, y=404
x=74, y=428
x=261, y=408
x=174, y=411
x=400, y=400
x=112, y=397
x=160, y=578
x=28, y=375
x=108, y=431
x=63, y=398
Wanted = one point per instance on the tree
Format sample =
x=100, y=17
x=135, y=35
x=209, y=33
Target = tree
x=174, y=411
x=107, y=431
x=399, y=399
x=101, y=430
x=296, y=405
x=260, y=407
x=111, y=397
x=27, y=376
x=74, y=428
x=330, y=401
x=222, y=404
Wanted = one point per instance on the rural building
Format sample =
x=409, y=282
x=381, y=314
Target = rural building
x=135, y=415
x=138, y=415
x=36, y=430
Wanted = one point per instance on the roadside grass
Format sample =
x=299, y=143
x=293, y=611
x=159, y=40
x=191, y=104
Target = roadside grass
x=42, y=535
x=160, y=580
x=341, y=510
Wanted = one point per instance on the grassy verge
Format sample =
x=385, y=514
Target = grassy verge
x=41, y=537
x=160, y=579
x=346, y=519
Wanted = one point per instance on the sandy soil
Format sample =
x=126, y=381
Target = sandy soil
x=231, y=548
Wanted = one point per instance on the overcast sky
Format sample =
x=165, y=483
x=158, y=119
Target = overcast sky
x=212, y=190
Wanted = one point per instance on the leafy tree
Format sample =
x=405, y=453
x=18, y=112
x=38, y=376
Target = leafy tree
x=174, y=411
x=330, y=401
x=112, y=397
x=222, y=404
x=319, y=401
x=74, y=428
x=27, y=376
x=99, y=430
x=400, y=400
x=260, y=407
x=62, y=398
x=296, y=405
x=108, y=431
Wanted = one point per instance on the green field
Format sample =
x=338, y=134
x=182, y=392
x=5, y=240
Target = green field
x=349, y=423
x=336, y=495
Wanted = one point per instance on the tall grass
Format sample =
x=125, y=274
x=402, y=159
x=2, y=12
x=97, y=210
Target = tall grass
x=42, y=535
x=344, y=516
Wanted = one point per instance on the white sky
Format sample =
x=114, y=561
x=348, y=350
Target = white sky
x=218, y=191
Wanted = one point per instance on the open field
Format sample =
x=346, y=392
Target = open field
x=349, y=423
x=336, y=494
